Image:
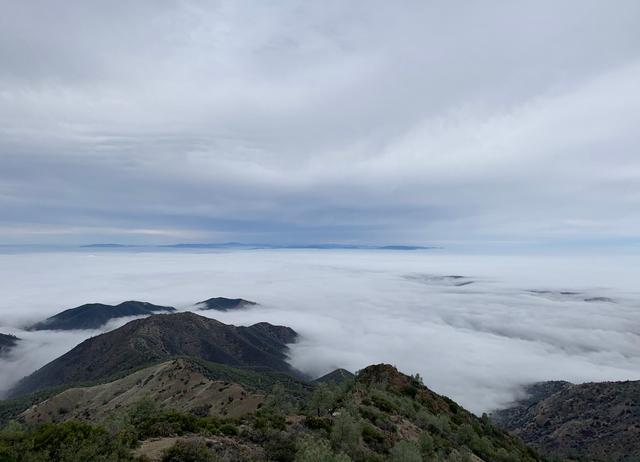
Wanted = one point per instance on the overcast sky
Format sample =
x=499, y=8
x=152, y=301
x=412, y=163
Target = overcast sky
x=359, y=121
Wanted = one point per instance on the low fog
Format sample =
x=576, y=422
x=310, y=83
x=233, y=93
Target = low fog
x=502, y=322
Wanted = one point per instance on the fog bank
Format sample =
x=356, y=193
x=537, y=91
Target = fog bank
x=501, y=322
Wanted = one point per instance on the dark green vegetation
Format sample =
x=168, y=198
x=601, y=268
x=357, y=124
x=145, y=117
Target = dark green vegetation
x=7, y=342
x=95, y=315
x=66, y=442
x=161, y=337
x=380, y=415
x=591, y=421
x=224, y=304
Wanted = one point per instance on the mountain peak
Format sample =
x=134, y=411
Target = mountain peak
x=382, y=374
x=224, y=304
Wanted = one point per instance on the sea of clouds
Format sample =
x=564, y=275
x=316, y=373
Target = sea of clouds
x=500, y=323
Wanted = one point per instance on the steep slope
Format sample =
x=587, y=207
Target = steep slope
x=598, y=421
x=397, y=408
x=519, y=414
x=7, y=342
x=179, y=384
x=163, y=336
x=224, y=304
x=95, y=315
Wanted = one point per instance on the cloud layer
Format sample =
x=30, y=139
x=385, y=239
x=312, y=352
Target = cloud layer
x=508, y=321
x=294, y=121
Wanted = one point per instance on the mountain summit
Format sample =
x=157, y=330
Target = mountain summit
x=224, y=304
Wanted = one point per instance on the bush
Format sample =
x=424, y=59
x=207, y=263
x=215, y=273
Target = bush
x=265, y=421
x=405, y=451
x=189, y=451
x=383, y=404
x=311, y=449
x=229, y=429
x=149, y=420
x=280, y=447
x=65, y=442
x=318, y=423
x=323, y=399
x=425, y=441
x=345, y=433
x=373, y=437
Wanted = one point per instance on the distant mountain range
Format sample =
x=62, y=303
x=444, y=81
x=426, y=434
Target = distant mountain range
x=240, y=245
x=96, y=315
x=590, y=421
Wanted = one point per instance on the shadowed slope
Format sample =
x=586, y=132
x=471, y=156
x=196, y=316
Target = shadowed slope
x=600, y=421
x=7, y=342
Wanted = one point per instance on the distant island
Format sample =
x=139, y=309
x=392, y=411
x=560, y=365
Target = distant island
x=240, y=245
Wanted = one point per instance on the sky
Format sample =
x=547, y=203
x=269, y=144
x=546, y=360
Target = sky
x=416, y=122
x=507, y=321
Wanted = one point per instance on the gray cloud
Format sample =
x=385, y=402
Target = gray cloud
x=294, y=122
x=478, y=343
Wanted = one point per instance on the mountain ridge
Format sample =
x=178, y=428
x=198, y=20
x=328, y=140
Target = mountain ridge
x=161, y=336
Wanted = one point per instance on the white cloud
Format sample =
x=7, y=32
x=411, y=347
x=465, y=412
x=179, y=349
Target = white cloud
x=342, y=122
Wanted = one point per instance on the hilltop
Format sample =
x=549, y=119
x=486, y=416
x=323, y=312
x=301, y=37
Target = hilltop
x=337, y=376
x=95, y=315
x=224, y=304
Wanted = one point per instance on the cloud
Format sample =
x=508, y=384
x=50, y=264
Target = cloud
x=478, y=342
x=349, y=122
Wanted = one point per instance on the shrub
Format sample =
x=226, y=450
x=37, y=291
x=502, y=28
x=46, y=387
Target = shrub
x=312, y=449
x=318, y=423
x=280, y=447
x=373, y=437
x=345, y=433
x=189, y=451
x=65, y=442
x=383, y=404
x=265, y=421
x=425, y=442
x=323, y=399
x=229, y=429
x=405, y=451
